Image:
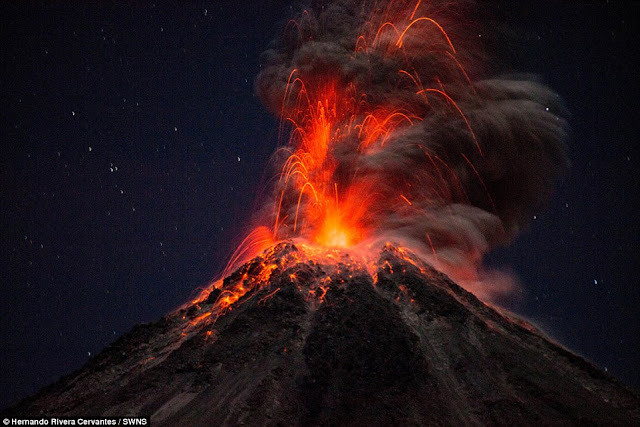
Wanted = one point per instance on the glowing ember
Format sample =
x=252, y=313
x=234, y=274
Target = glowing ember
x=329, y=116
x=387, y=136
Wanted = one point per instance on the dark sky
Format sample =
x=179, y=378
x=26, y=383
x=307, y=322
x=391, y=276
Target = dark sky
x=133, y=150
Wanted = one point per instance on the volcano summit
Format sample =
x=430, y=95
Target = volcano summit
x=390, y=131
x=320, y=337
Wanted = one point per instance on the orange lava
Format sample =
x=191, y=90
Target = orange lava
x=322, y=115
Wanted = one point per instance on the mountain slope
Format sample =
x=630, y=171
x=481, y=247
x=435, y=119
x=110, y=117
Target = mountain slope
x=319, y=338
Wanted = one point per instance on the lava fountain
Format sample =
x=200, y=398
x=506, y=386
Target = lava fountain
x=390, y=133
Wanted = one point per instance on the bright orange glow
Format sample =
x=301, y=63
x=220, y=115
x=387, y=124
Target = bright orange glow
x=334, y=233
x=323, y=113
x=322, y=116
x=200, y=318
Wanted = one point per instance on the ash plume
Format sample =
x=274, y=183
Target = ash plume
x=419, y=147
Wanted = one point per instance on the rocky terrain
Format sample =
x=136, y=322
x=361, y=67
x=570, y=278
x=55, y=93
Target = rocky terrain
x=328, y=339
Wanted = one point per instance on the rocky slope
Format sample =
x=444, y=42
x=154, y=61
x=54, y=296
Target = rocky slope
x=323, y=338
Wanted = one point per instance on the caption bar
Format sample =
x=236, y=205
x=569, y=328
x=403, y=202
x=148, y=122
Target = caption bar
x=77, y=421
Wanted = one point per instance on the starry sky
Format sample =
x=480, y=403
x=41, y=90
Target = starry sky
x=134, y=151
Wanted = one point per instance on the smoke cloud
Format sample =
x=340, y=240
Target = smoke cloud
x=417, y=147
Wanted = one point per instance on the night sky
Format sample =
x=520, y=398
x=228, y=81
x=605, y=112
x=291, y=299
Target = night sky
x=134, y=150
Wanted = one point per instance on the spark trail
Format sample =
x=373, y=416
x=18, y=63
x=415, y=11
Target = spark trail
x=390, y=133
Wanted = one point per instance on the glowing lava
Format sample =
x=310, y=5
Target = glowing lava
x=333, y=234
x=319, y=199
x=387, y=137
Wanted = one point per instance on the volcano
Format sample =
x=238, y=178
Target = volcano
x=302, y=335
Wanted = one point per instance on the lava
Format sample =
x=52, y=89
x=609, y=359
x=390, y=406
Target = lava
x=389, y=133
x=328, y=115
x=400, y=165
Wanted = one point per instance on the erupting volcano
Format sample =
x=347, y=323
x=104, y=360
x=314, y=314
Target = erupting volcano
x=304, y=335
x=401, y=165
x=390, y=134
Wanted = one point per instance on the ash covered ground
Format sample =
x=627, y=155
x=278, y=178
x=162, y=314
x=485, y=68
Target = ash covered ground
x=323, y=337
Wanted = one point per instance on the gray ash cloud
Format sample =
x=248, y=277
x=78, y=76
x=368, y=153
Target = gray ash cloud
x=467, y=195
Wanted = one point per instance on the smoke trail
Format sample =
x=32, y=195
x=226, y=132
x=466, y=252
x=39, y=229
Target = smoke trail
x=392, y=138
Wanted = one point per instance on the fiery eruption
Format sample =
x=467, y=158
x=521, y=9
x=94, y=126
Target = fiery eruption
x=388, y=137
x=399, y=164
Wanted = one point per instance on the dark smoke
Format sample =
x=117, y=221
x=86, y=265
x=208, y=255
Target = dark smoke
x=465, y=199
